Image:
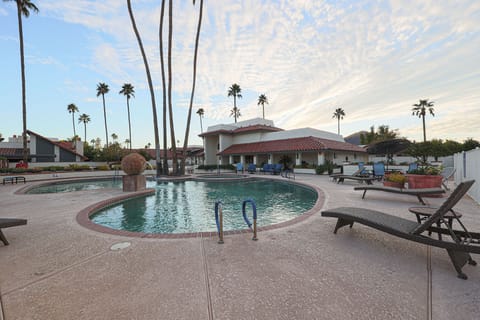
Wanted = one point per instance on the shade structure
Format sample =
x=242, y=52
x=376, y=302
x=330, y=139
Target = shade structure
x=388, y=147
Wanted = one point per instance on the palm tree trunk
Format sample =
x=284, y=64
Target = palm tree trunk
x=85, y=131
x=73, y=122
x=24, y=95
x=263, y=110
x=338, y=125
x=150, y=85
x=187, y=130
x=424, y=131
x=105, y=118
x=170, y=109
x=235, y=107
x=162, y=64
x=201, y=124
x=129, y=125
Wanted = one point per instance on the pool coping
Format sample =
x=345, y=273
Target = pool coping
x=83, y=217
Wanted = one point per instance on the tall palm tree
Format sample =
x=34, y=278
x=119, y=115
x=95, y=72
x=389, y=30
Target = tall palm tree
x=102, y=89
x=72, y=108
x=339, y=114
x=420, y=110
x=150, y=86
x=23, y=8
x=262, y=99
x=85, y=118
x=114, y=137
x=128, y=91
x=164, y=91
x=235, y=112
x=200, y=113
x=235, y=92
x=169, y=89
x=187, y=129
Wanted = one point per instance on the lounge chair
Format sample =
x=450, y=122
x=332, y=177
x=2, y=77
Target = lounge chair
x=9, y=222
x=412, y=166
x=358, y=175
x=379, y=170
x=252, y=168
x=447, y=173
x=463, y=242
x=267, y=168
x=239, y=167
x=277, y=168
x=413, y=192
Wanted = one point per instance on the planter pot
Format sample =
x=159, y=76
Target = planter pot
x=417, y=181
x=394, y=184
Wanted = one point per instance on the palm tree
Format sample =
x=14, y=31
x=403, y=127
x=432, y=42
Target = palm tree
x=235, y=91
x=85, y=118
x=72, y=108
x=128, y=91
x=23, y=8
x=170, y=109
x=262, y=99
x=102, y=89
x=127, y=143
x=187, y=129
x=235, y=112
x=114, y=137
x=339, y=114
x=200, y=113
x=150, y=86
x=164, y=91
x=420, y=110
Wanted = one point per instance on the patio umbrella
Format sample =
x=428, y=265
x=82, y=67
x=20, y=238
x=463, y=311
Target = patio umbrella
x=388, y=147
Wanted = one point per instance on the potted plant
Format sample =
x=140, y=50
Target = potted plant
x=395, y=179
x=425, y=177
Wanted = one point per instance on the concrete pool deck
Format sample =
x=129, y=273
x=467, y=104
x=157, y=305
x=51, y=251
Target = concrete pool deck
x=56, y=269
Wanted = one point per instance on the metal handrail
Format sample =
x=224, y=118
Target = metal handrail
x=254, y=208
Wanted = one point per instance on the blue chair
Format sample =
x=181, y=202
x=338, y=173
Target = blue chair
x=267, y=168
x=277, y=168
x=239, y=167
x=361, y=167
x=412, y=166
x=379, y=170
x=252, y=168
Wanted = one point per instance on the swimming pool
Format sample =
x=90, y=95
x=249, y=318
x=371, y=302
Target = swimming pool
x=188, y=206
x=71, y=186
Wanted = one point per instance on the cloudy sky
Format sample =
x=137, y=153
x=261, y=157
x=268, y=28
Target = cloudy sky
x=374, y=59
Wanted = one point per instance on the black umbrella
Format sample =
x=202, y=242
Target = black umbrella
x=388, y=147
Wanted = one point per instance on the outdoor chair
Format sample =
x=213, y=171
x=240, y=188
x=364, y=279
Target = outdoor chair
x=379, y=170
x=412, y=166
x=419, y=192
x=267, y=168
x=277, y=168
x=239, y=167
x=447, y=173
x=460, y=246
x=252, y=168
x=9, y=222
x=358, y=175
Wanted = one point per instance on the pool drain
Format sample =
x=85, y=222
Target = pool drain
x=120, y=246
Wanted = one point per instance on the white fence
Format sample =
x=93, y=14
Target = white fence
x=467, y=165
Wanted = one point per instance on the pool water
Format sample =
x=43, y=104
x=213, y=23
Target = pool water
x=183, y=207
x=69, y=186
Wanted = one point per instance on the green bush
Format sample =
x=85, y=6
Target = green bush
x=103, y=168
x=328, y=166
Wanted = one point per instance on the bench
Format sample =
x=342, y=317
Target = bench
x=13, y=180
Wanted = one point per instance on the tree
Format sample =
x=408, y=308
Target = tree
x=470, y=144
x=1, y=138
x=200, y=113
x=170, y=109
x=383, y=133
x=23, y=8
x=72, y=108
x=128, y=91
x=114, y=137
x=102, y=89
x=187, y=129
x=420, y=110
x=339, y=114
x=235, y=92
x=128, y=144
x=164, y=91
x=235, y=112
x=85, y=118
x=262, y=99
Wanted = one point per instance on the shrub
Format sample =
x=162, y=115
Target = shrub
x=396, y=177
x=103, y=168
x=427, y=170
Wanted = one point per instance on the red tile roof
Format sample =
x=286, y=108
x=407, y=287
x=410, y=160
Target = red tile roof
x=290, y=145
x=253, y=128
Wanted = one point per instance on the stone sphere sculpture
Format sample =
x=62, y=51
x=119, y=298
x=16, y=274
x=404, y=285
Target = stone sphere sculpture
x=133, y=164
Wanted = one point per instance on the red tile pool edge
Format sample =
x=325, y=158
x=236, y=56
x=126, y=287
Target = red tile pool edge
x=83, y=218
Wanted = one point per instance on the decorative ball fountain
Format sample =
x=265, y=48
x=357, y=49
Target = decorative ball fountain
x=133, y=165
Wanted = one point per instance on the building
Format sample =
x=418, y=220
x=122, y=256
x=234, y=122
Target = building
x=259, y=142
x=42, y=149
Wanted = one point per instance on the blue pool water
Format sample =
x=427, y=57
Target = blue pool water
x=181, y=207
x=69, y=186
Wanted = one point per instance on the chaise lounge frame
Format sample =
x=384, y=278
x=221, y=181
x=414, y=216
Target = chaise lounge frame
x=413, y=192
x=459, y=248
x=9, y=222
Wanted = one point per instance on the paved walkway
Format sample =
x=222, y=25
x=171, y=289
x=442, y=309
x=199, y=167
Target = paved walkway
x=56, y=269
